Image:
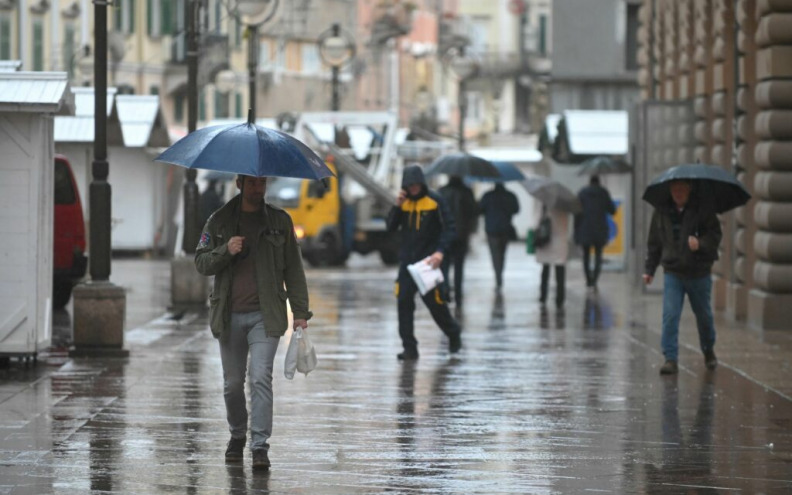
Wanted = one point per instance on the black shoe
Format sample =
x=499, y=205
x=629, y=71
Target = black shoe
x=234, y=449
x=710, y=361
x=669, y=368
x=454, y=344
x=407, y=355
x=261, y=460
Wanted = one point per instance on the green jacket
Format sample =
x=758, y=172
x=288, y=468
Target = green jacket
x=279, y=269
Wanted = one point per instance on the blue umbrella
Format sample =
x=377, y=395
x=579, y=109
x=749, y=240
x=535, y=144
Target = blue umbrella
x=508, y=172
x=246, y=149
x=710, y=182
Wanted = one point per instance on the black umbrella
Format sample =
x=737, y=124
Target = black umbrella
x=711, y=183
x=553, y=194
x=462, y=164
x=602, y=165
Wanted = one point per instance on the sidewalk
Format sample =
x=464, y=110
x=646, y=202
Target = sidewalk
x=539, y=401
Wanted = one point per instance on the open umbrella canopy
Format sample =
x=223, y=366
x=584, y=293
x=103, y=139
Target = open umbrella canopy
x=711, y=183
x=246, y=149
x=553, y=194
x=506, y=170
x=603, y=165
x=462, y=164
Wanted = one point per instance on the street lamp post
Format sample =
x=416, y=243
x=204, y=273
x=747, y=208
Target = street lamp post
x=337, y=49
x=253, y=14
x=99, y=305
x=465, y=67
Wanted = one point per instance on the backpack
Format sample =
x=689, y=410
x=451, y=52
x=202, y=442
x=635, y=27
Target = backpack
x=544, y=232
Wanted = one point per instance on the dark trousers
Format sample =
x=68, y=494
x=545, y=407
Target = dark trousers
x=560, y=279
x=592, y=275
x=434, y=302
x=497, y=245
x=456, y=256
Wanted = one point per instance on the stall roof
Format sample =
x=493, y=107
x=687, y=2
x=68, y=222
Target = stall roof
x=46, y=92
x=10, y=65
x=80, y=127
x=511, y=155
x=597, y=132
x=263, y=122
x=141, y=119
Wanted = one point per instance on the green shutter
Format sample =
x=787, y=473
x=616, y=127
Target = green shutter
x=201, y=106
x=118, y=10
x=154, y=90
x=150, y=17
x=543, y=34
x=178, y=108
x=166, y=19
x=38, y=46
x=68, y=49
x=238, y=105
x=5, y=38
x=131, y=16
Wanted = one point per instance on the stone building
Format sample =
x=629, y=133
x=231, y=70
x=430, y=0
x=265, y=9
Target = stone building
x=716, y=84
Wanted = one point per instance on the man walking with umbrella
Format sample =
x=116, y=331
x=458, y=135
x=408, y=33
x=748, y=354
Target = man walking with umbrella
x=464, y=209
x=591, y=227
x=427, y=229
x=498, y=206
x=250, y=248
x=684, y=236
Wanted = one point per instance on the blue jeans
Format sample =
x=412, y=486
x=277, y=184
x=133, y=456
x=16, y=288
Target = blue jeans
x=247, y=337
x=698, y=291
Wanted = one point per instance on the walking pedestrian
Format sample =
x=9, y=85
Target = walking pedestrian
x=554, y=254
x=464, y=209
x=250, y=248
x=498, y=207
x=427, y=229
x=591, y=227
x=684, y=238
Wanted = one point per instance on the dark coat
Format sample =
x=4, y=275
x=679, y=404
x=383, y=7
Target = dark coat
x=498, y=207
x=675, y=254
x=591, y=225
x=424, y=220
x=463, y=207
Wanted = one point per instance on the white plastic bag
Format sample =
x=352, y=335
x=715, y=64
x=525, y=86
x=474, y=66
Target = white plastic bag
x=300, y=356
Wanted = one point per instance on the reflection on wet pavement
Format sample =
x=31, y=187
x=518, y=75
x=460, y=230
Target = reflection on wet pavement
x=539, y=401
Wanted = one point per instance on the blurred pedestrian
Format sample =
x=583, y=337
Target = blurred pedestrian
x=210, y=201
x=684, y=238
x=427, y=229
x=498, y=207
x=554, y=254
x=250, y=248
x=591, y=227
x=464, y=209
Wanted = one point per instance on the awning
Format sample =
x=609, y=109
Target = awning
x=586, y=133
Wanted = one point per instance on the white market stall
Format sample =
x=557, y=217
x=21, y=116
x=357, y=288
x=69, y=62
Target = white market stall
x=28, y=102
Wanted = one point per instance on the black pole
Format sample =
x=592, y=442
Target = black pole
x=192, y=229
x=100, y=192
x=462, y=101
x=253, y=42
x=336, y=101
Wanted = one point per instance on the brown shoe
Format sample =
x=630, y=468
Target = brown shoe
x=669, y=368
x=261, y=460
x=710, y=361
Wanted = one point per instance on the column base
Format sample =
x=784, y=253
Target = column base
x=719, y=289
x=737, y=301
x=188, y=287
x=769, y=311
x=99, y=314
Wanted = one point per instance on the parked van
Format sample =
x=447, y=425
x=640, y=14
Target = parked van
x=69, y=261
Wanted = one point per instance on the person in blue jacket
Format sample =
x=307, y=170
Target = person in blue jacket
x=427, y=230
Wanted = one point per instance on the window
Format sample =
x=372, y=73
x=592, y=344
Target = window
x=631, y=42
x=237, y=33
x=5, y=37
x=220, y=105
x=64, y=190
x=310, y=59
x=178, y=107
x=543, y=34
x=479, y=34
x=38, y=45
x=124, y=15
x=154, y=90
x=265, y=55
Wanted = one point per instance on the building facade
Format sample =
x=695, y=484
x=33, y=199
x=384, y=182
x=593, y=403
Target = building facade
x=720, y=73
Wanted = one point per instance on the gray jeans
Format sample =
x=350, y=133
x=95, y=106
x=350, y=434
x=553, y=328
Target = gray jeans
x=249, y=338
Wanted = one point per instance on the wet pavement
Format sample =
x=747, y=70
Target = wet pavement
x=543, y=402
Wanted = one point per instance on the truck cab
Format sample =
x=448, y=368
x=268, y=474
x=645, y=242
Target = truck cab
x=69, y=260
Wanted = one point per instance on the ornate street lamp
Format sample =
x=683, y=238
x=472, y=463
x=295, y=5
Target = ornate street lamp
x=252, y=14
x=336, y=49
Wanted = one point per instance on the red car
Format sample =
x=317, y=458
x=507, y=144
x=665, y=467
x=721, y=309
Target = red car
x=69, y=261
